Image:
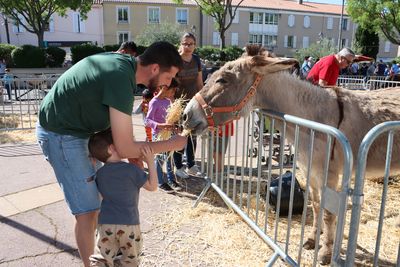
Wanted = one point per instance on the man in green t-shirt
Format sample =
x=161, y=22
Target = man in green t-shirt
x=93, y=95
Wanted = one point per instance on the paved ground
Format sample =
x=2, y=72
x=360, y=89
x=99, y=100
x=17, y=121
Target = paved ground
x=34, y=220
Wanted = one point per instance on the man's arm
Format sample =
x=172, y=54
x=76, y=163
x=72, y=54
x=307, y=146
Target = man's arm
x=127, y=147
x=322, y=82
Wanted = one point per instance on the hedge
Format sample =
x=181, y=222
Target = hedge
x=5, y=53
x=28, y=56
x=55, y=56
x=81, y=51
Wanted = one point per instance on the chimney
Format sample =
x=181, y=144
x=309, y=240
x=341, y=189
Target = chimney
x=300, y=2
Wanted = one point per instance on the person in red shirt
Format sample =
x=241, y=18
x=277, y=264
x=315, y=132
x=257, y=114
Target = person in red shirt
x=326, y=71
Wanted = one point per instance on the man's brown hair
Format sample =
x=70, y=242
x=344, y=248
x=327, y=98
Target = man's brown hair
x=99, y=143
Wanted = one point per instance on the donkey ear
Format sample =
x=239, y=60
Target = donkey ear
x=270, y=65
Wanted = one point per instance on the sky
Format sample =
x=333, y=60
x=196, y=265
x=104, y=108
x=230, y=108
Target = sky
x=337, y=2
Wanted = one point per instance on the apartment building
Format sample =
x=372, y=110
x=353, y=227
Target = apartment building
x=124, y=19
x=63, y=31
x=283, y=26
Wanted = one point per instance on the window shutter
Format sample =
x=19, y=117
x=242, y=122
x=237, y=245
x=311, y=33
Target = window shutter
x=75, y=22
x=235, y=38
x=51, y=24
x=294, y=41
x=305, y=41
x=329, y=23
x=285, y=41
x=306, y=21
x=387, y=47
x=82, y=25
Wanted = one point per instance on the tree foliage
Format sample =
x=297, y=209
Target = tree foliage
x=168, y=32
x=379, y=15
x=35, y=15
x=367, y=40
x=317, y=50
x=223, y=11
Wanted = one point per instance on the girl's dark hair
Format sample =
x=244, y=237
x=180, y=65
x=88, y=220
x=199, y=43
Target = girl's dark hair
x=174, y=83
x=147, y=94
x=99, y=143
x=188, y=35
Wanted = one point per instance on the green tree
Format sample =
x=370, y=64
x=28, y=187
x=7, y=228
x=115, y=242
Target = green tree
x=223, y=11
x=367, y=40
x=161, y=32
x=34, y=16
x=317, y=50
x=379, y=15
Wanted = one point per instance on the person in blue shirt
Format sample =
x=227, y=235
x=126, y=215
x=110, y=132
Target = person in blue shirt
x=8, y=79
x=119, y=184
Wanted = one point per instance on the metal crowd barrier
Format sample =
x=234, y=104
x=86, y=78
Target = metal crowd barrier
x=390, y=128
x=374, y=84
x=18, y=111
x=365, y=83
x=243, y=179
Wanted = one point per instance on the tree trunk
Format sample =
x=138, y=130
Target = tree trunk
x=40, y=35
x=222, y=36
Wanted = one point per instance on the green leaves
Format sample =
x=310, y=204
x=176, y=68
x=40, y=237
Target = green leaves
x=34, y=16
x=380, y=15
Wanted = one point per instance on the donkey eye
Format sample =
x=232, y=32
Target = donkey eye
x=221, y=80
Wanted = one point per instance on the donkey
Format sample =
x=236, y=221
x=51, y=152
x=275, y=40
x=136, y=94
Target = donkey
x=260, y=81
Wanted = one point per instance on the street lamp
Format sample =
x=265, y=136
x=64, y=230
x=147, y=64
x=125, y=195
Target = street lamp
x=193, y=29
x=341, y=28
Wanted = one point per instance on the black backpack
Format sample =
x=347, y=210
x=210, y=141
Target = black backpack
x=298, y=195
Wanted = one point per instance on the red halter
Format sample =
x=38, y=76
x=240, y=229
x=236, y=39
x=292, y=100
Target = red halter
x=209, y=111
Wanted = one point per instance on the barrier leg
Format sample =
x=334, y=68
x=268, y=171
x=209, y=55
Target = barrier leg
x=202, y=194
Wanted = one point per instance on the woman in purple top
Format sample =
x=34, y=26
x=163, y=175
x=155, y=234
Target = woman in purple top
x=155, y=119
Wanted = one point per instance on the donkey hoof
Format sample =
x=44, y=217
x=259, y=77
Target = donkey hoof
x=309, y=244
x=325, y=255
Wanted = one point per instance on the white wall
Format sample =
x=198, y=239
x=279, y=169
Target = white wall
x=63, y=30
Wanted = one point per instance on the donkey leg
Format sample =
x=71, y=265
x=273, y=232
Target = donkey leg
x=325, y=253
x=310, y=239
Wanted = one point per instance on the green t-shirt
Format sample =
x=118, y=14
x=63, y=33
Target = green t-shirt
x=78, y=103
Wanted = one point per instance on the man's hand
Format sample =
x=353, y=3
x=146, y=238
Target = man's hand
x=179, y=141
x=137, y=162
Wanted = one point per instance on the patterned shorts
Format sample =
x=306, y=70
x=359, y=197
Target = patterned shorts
x=112, y=238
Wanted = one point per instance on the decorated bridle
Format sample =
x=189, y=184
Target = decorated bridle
x=235, y=110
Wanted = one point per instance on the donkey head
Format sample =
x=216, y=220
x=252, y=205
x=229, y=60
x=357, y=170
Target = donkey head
x=227, y=88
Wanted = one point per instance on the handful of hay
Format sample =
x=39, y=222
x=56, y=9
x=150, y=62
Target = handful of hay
x=174, y=114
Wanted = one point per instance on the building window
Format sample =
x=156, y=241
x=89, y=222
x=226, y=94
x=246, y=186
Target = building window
x=290, y=41
x=123, y=37
x=256, y=18
x=122, y=14
x=345, y=24
x=255, y=39
x=153, y=15
x=307, y=22
x=387, y=47
x=270, y=40
x=329, y=23
x=344, y=43
x=17, y=27
x=236, y=17
x=235, y=38
x=291, y=20
x=49, y=27
x=271, y=19
x=306, y=41
x=77, y=22
x=216, y=38
x=182, y=16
